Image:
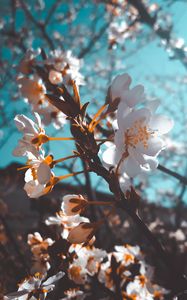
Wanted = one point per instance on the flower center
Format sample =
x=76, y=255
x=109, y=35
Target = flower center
x=138, y=133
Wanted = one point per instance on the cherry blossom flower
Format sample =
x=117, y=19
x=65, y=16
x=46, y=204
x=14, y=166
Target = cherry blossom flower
x=66, y=64
x=36, y=287
x=28, y=60
x=92, y=257
x=120, y=31
x=33, y=135
x=127, y=254
x=39, y=248
x=137, y=142
x=39, y=178
x=52, y=115
x=73, y=204
x=82, y=233
x=74, y=294
x=38, y=244
x=66, y=222
x=33, y=90
x=77, y=273
x=87, y=263
x=138, y=289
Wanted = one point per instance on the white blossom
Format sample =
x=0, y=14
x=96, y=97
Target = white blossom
x=35, y=285
x=67, y=65
x=33, y=135
x=39, y=178
x=137, y=141
x=73, y=204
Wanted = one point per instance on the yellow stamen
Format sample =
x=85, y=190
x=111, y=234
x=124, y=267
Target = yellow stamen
x=94, y=123
x=138, y=133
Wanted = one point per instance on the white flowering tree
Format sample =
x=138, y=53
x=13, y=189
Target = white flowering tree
x=110, y=148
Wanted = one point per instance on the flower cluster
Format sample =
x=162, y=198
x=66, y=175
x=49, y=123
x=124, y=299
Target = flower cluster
x=133, y=142
x=75, y=228
x=60, y=68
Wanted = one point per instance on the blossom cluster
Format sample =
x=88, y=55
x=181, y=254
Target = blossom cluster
x=59, y=67
x=120, y=142
x=125, y=264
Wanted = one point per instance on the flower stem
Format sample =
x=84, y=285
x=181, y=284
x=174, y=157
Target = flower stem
x=69, y=175
x=61, y=138
x=100, y=203
x=64, y=158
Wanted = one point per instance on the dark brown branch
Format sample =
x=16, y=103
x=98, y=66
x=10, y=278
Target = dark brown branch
x=165, y=170
x=39, y=25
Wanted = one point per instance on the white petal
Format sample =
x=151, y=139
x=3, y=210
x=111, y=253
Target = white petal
x=34, y=190
x=154, y=146
x=153, y=105
x=152, y=162
x=160, y=123
x=119, y=84
x=109, y=156
x=122, y=111
x=130, y=167
x=28, y=175
x=38, y=119
x=134, y=96
x=25, y=124
x=136, y=155
x=53, y=279
x=43, y=173
x=126, y=122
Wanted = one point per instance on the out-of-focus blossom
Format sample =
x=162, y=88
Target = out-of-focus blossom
x=38, y=244
x=55, y=77
x=138, y=290
x=120, y=31
x=35, y=286
x=82, y=233
x=87, y=262
x=39, y=248
x=51, y=115
x=67, y=65
x=127, y=254
x=28, y=60
x=74, y=294
x=33, y=90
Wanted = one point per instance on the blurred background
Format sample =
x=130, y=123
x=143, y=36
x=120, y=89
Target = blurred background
x=147, y=40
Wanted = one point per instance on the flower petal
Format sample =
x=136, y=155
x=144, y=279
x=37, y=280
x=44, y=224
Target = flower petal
x=109, y=156
x=154, y=146
x=43, y=173
x=161, y=123
x=131, y=167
